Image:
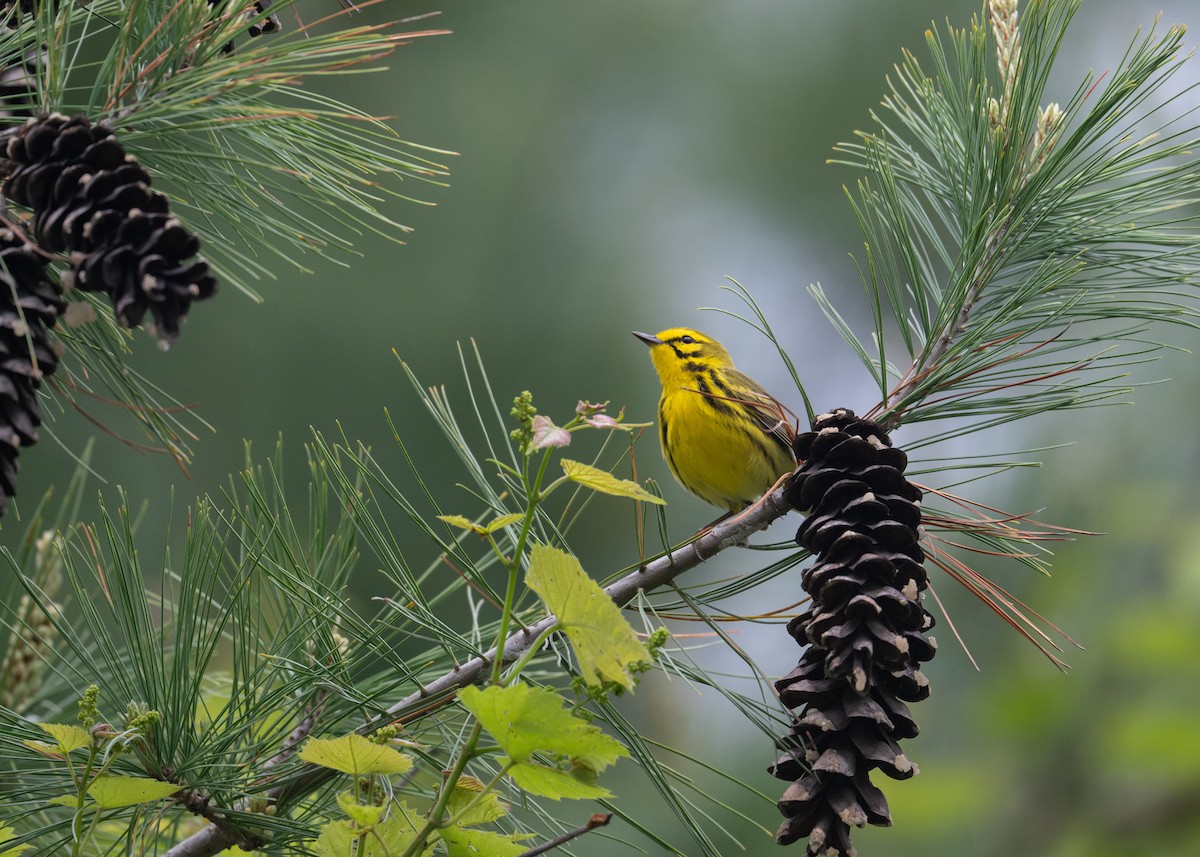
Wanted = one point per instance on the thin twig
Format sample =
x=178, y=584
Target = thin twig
x=599, y=819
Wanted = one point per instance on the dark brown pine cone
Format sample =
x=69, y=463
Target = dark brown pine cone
x=260, y=25
x=91, y=199
x=29, y=307
x=865, y=631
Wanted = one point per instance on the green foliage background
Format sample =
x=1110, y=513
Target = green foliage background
x=619, y=159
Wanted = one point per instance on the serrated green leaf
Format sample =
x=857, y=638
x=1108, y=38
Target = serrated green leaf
x=525, y=720
x=488, y=808
x=606, y=483
x=112, y=792
x=6, y=834
x=68, y=738
x=554, y=784
x=337, y=839
x=355, y=755
x=362, y=815
x=482, y=843
x=462, y=522
x=503, y=521
x=605, y=644
x=387, y=838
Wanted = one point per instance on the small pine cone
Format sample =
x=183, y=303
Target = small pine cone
x=865, y=633
x=93, y=200
x=142, y=265
x=18, y=87
x=33, y=635
x=29, y=307
x=29, y=646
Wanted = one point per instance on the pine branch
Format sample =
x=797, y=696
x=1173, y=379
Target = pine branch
x=654, y=574
x=992, y=221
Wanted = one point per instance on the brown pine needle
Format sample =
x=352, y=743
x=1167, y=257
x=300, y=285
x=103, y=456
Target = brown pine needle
x=1000, y=597
x=475, y=587
x=953, y=630
x=1001, y=603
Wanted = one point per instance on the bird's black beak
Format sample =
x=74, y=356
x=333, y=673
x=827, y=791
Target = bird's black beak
x=648, y=339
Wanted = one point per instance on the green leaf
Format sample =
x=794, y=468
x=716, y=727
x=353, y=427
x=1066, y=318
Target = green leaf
x=482, y=843
x=525, y=720
x=606, y=483
x=7, y=833
x=503, y=521
x=44, y=748
x=355, y=755
x=113, y=792
x=364, y=815
x=554, y=783
x=68, y=737
x=487, y=809
x=337, y=839
x=462, y=522
x=387, y=838
x=465, y=523
x=605, y=643
x=63, y=800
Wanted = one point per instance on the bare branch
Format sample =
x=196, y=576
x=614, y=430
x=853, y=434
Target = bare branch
x=599, y=819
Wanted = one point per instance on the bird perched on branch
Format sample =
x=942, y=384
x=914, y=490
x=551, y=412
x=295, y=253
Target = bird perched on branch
x=724, y=437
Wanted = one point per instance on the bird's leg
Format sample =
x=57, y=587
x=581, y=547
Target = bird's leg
x=733, y=517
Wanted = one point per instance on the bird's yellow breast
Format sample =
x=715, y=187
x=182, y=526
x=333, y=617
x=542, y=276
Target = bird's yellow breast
x=716, y=425
x=716, y=459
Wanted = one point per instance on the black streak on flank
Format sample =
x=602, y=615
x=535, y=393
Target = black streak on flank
x=718, y=405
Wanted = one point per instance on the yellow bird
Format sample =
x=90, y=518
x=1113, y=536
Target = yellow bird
x=724, y=437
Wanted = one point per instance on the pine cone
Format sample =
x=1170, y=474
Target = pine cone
x=24, y=8
x=93, y=200
x=865, y=633
x=260, y=26
x=269, y=24
x=31, y=641
x=29, y=307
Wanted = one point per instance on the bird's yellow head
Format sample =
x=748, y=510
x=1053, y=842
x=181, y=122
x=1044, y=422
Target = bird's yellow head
x=679, y=352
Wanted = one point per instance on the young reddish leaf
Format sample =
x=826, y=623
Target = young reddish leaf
x=546, y=434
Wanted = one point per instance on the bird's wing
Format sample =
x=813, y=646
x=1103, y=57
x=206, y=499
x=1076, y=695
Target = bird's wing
x=768, y=411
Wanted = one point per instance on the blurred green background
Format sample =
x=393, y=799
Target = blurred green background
x=617, y=161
